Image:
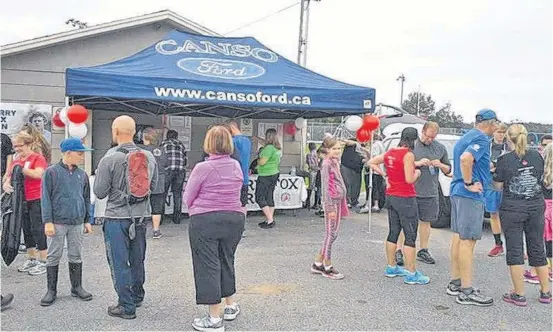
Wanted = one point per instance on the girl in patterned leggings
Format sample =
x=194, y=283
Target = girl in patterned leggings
x=334, y=205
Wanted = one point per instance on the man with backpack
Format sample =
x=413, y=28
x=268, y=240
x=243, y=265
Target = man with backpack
x=127, y=177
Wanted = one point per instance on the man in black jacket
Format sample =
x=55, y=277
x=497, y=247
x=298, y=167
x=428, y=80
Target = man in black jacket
x=352, y=168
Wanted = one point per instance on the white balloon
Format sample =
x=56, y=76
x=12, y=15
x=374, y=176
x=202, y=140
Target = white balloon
x=63, y=115
x=301, y=123
x=354, y=122
x=77, y=130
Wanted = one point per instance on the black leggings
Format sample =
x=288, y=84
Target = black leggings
x=530, y=224
x=33, y=229
x=403, y=214
x=265, y=190
x=548, y=249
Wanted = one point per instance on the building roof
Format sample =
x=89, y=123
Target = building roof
x=132, y=22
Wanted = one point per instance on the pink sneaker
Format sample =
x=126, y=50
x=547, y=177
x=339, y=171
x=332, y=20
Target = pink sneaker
x=528, y=277
x=496, y=251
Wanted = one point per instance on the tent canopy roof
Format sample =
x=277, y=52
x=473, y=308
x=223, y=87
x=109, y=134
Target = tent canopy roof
x=196, y=75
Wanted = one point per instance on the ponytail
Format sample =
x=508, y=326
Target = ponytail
x=518, y=135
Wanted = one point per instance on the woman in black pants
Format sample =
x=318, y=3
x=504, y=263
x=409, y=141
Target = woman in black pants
x=268, y=170
x=519, y=174
x=217, y=221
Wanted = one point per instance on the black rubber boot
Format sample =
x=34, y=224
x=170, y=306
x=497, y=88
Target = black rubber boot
x=76, y=277
x=52, y=280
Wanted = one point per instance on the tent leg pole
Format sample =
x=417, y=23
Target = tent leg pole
x=370, y=188
x=65, y=128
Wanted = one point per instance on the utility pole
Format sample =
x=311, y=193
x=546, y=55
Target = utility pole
x=302, y=60
x=402, y=79
x=304, y=31
x=418, y=100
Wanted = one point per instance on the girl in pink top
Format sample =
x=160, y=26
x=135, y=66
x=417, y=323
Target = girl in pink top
x=217, y=219
x=334, y=206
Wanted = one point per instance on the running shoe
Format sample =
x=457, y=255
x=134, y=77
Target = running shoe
x=424, y=256
x=518, y=300
x=27, y=265
x=364, y=210
x=496, y=251
x=317, y=269
x=474, y=298
x=532, y=279
x=453, y=289
x=231, y=312
x=38, y=269
x=395, y=271
x=206, y=324
x=416, y=278
x=545, y=298
x=266, y=225
x=399, y=258
x=156, y=234
x=332, y=273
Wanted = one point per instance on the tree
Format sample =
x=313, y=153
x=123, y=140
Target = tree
x=420, y=104
x=446, y=118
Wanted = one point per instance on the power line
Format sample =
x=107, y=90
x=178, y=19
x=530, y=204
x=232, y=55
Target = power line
x=263, y=18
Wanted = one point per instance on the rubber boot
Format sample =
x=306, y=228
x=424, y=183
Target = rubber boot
x=52, y=281
x=76, y=277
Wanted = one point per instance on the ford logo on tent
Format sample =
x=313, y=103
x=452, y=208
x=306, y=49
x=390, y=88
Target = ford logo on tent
x=220, y=68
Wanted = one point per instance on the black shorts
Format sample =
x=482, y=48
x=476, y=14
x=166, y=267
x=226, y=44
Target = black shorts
x=157, y=203
x=244, y=195
x=265, y=190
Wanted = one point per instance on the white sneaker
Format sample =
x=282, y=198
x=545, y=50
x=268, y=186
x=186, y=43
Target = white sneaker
x=231, y=312
x=27, y=265
x=364, y=210
x=39, y=269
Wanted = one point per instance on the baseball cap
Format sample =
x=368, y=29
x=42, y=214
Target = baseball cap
x=486, y=114
x=73, y=144
x=409, y=134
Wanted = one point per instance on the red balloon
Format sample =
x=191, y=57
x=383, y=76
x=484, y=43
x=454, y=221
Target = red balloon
x=371, y=122
x=77, y=114
x=290, y=128
x=56, y=120
x=363, y=135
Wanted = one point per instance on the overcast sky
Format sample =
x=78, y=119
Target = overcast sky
x=472, y=53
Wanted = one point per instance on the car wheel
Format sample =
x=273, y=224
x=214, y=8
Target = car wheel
x=444, y=217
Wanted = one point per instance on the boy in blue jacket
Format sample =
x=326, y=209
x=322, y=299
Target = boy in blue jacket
x=65, y=215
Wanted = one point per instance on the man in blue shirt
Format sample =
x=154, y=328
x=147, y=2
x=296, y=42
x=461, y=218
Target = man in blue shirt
x=242, y=151
x=471, y=174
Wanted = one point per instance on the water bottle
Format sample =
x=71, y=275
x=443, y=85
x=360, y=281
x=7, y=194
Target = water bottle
x=432, y=170
x=293, y=171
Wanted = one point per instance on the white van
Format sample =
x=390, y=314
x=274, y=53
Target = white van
x=392, y=134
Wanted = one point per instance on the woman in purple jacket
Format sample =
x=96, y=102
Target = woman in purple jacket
x=217, y=219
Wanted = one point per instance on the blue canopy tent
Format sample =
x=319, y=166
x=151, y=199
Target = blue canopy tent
x=195, y=75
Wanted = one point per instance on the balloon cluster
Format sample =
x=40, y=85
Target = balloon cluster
x=363, y=126
x=74, y=117
x=290, y=128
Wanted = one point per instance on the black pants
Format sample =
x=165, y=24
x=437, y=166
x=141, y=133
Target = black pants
x=378, y=190
x=515, y=225
x=214, y=237
x=265, y=190
x=352, y=179
x=175, y=180
x=403, y=214
x=33, y=229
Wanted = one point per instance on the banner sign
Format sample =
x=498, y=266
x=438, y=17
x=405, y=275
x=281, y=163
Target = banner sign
x=13, y=116
x=290, y=192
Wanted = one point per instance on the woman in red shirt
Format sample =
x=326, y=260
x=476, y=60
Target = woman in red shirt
x=33, y=165
x=402, y=205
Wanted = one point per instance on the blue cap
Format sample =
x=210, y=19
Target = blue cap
x=486, y=114
x=73, y=144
